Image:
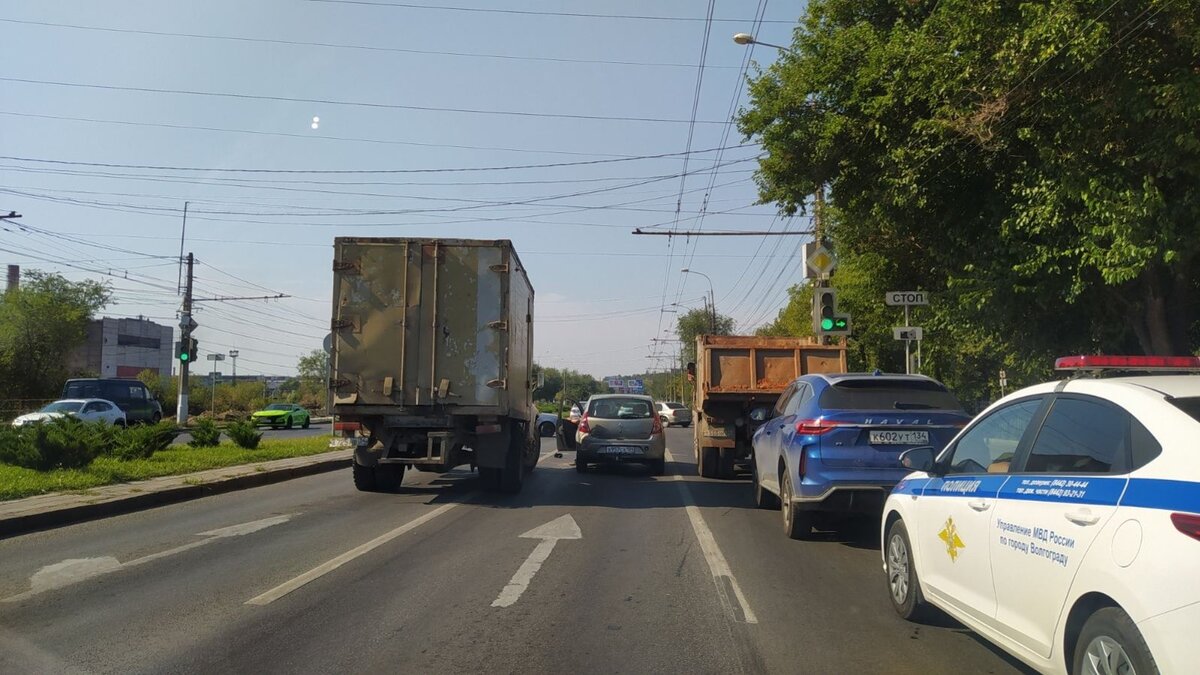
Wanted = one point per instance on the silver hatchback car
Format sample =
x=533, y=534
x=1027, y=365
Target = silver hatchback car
x=620, y=428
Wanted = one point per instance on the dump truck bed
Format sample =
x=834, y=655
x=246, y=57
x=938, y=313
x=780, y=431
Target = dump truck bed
x=740, y=365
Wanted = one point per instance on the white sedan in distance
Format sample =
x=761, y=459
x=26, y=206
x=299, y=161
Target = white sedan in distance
x=85, y=409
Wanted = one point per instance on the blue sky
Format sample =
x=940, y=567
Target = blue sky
x=392, y=96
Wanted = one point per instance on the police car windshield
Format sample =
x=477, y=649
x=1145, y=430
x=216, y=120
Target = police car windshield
x=1189, y=405
x=881, y=393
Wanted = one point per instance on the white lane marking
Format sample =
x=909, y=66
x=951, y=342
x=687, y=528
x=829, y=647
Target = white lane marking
x=712, y=553
x=327, y=567
x=563, y=527
x=75, y=570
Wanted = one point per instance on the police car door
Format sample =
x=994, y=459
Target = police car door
x=1048, y=515
x=955, y=509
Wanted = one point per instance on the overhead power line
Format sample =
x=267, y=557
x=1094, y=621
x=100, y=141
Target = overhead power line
x=307, y=137
x=511, y=167
x=339, y=45
x=355, y=104
x=530, y=12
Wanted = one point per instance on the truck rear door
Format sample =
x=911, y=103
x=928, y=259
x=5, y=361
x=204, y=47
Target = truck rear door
x=418, y=322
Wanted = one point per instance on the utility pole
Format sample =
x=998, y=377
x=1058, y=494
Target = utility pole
x=185, y=335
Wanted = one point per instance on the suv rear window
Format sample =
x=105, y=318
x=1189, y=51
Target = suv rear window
x=1189, y=405
x=620, y=409
x=880, y=393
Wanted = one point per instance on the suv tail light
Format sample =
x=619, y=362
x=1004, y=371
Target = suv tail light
x=815, y=427
x=1187, y=523
x=657, y=426
x=583, y=425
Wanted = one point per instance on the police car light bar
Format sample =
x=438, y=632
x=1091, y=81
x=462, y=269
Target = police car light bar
x=1101, y=362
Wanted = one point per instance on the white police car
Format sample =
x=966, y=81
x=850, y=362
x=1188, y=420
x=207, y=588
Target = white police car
x=1063, y=523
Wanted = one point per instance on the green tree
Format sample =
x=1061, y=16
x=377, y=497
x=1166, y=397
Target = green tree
x=40, y=323
x=795, y=318
x=698, y=322
x=1036, y=166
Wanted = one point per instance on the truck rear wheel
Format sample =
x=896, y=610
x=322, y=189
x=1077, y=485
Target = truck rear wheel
x=512, y=476
x=364, y=477
x=725, y=463
x=709, y=459
x=388, y=477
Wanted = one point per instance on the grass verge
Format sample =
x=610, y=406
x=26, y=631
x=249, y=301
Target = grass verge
x=17, y=482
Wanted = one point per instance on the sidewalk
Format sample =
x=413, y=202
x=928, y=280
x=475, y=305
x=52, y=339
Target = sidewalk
x=62, y=508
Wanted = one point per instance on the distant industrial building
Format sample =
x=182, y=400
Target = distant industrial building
x=124, y=348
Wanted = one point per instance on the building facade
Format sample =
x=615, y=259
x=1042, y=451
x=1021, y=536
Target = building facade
x=124, y=348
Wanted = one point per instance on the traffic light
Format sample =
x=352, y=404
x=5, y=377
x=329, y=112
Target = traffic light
x=826, y=320
x=185, y=350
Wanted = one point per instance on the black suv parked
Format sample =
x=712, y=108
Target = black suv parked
x=131, y=396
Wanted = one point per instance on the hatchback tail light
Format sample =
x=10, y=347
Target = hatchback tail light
x=815, y=427
x=583, y=425
x=657, y=426
x=1187, y=523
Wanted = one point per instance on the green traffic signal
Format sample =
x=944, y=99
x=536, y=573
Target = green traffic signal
x=827, y=323
x=183, y=356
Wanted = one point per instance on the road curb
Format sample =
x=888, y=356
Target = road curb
x=76, y=513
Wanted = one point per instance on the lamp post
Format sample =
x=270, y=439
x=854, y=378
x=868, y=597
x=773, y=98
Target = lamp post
x=748, y=39
x=712, y=305
x=233, y=354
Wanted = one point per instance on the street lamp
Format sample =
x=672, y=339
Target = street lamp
x=233, y=354
x=712, y=321
x=748, y=39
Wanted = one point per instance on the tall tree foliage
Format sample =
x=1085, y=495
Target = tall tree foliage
x=699, y=322
x=1035, y=165
x=40, y=323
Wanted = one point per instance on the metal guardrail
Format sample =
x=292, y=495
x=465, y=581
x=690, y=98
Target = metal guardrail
x=15, y=407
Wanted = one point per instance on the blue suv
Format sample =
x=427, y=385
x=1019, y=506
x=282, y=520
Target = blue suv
x=831, y=445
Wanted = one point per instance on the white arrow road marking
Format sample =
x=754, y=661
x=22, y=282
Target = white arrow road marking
x=712, y=553
x=75, y=570
x=563, y=527
x=327, y=567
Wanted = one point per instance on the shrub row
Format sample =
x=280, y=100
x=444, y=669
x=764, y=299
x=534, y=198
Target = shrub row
x=68, y=443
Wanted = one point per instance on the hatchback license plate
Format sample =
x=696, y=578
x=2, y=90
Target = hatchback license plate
x=888, y=437
x=620, y=450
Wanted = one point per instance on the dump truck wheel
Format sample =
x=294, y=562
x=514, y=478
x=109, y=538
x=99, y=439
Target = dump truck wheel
x=364, y=478
x=708, y=466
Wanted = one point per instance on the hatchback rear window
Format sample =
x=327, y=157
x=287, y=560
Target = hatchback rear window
x=675, y=406
x=885, y=394
x=620, y=409
x=1189, y=405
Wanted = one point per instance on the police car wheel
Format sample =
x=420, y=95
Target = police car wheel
x=903, y=587
x=1111, y=643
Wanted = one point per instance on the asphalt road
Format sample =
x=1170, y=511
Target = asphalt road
x=313, y=430
x=671, y=574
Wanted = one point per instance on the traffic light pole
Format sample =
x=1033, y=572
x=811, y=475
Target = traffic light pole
x=185, y=332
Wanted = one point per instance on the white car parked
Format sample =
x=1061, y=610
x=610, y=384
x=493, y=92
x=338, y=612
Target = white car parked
x=1063, y=523
x=86, y=409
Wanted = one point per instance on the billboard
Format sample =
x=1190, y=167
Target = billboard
x=621, y=385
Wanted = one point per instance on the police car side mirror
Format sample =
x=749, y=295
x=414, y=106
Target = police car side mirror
x=760, y=414
x=918, y=459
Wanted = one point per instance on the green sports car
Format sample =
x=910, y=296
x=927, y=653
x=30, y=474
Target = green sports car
x=284, y=415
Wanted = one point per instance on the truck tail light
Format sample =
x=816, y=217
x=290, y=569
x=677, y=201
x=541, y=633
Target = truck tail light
x=583, y=425
x=815, y=427
x=347, y=426
x=1187, y=523
x=657, y=425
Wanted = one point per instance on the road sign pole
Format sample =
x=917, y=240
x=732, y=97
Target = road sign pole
x=907, y=356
